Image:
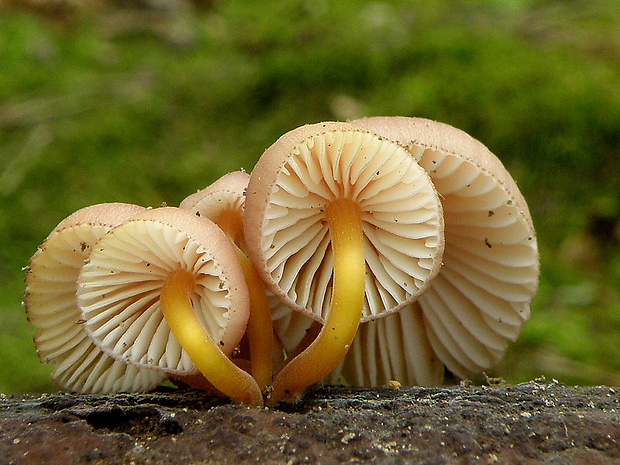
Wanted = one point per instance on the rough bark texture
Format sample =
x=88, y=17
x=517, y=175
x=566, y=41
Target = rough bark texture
x=535, y=422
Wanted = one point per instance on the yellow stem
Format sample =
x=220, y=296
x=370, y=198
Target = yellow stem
x=260, y=328
x=231, y=223
x=336, y=335
x=189, y=331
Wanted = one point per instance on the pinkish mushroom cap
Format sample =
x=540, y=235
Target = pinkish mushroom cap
x=120, y=288
x=222, y=202
x=481, y=297
x=288, y=239
x=51, y=306
x=343, y=226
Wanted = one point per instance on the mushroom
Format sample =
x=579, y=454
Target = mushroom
x=165, y=290
x=343, y=226
x=51, y=306
x=222, y=202
x=480, y=299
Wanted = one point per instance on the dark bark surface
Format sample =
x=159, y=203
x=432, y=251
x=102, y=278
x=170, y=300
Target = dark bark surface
x=534, y=422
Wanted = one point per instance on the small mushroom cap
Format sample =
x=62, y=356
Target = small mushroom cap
x=222, y=201
x=227, y=193
x=121, y=285
x=480, y=299
x=51, y=306
x=287, y=236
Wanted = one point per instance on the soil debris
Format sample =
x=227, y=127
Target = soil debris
x=535, y=422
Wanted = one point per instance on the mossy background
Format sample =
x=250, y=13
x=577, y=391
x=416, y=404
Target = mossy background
x=149, y=100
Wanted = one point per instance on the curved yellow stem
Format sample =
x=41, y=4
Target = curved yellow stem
x=210, y=360
x=260, y=327
x=333, y=342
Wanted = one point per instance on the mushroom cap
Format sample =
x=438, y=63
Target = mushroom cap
x=51, y=306
x=226, y=193
x=121, y=284
x=287, y=236
x=225, y=197
x=480, y=299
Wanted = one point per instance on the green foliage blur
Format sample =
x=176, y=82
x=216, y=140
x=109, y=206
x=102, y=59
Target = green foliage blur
x=149, y=102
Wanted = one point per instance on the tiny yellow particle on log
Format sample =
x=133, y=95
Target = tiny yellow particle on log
x=394, y=384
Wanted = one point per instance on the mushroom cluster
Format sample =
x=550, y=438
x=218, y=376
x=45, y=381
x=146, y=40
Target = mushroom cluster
x=377, y=250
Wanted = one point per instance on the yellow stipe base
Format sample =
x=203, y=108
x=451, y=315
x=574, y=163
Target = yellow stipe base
x=336, y=335
x=260, y=328
x=210, y=360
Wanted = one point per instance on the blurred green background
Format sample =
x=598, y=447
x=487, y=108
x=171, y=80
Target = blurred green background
x=147, y=101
